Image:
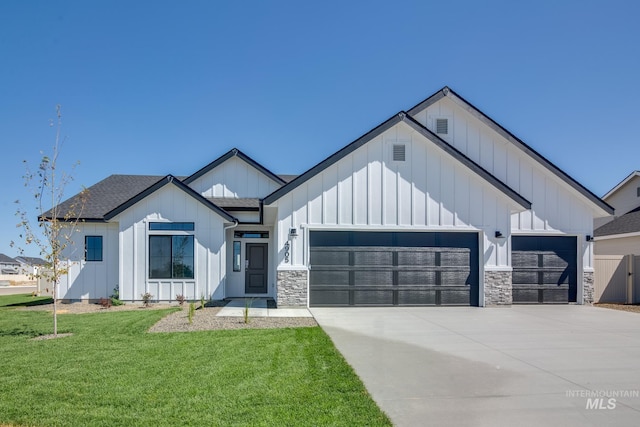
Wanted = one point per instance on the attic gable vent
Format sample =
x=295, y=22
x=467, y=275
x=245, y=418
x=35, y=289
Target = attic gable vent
x=398, y=152
x=442, y=126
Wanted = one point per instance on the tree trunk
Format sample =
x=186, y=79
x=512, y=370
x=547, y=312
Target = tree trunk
x=55, y=307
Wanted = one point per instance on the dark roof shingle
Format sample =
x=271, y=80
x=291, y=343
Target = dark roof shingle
x=4, y=259
x=108, y=194
x=627, y=223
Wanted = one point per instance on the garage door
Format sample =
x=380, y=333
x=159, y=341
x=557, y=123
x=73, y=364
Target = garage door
x=352, y=268
x=544, y=269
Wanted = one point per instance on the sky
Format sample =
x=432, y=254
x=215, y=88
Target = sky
x=159, y=87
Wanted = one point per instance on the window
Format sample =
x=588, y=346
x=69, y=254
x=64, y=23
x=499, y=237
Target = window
x=638, y=191
x=442, y=126
x=237, y=256
x=171, y=257
x=398, y=152
x=93, y=248
x=251, y=234
x=172, y=226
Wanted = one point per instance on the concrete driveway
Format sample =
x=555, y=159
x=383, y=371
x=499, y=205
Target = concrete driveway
x=524, y=366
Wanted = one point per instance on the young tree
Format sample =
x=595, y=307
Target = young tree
x=57, y=225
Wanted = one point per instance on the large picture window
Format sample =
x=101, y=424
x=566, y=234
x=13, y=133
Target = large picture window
x=171, y=257
x=93, y=248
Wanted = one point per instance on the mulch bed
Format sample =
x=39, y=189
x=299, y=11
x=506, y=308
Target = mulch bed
x=204, y=319
x=633, y=308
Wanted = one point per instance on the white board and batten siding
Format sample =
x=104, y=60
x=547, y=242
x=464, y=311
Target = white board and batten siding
x=367, y=190
x=557, y=209
x=90, y=280
x=173, y=205
x=234, y=178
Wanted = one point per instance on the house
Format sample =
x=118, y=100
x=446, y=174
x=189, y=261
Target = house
x=438, y=205
x=8, y=265
x=620, y=234
x=29, y=265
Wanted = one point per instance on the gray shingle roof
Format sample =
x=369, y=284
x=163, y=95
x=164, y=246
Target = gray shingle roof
x=287, y=178
x=627, y=223
x=4, y=259
x=109, y=193
x=235, y=203
x=31, y=260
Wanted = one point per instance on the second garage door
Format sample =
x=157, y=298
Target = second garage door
x=352, y=268
x=544, y=269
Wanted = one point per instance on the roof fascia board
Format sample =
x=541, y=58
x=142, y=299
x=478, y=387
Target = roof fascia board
x=492, y=124
x=350, y=148
x=169, y=179
x=428, y=102
x=458, y=155
x=234, y=153
x=621, y=184
x=616, y=236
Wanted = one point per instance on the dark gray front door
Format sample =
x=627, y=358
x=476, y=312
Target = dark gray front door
x=255, y=275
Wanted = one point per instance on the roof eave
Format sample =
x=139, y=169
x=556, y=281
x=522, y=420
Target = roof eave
x=169, y=179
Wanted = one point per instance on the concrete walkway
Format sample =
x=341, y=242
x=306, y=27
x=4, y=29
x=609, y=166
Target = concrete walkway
x=258, y=308
x=523, y=366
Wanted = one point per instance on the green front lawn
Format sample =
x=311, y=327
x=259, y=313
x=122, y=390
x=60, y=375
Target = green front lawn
x=111, y=372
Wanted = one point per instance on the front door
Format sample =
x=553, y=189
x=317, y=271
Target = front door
x=255, y=275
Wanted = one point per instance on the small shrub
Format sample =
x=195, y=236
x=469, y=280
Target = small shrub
x=202, y=301
x=105, y=302
x=181, y=299
x=192, y=312
x=146, y=299
x=116, y=301
x=115, y=297
x=245, y=312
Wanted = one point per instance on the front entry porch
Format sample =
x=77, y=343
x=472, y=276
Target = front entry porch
x=248, y=259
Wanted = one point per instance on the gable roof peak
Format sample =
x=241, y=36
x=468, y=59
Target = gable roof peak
x=234, y=152
x=621, y=184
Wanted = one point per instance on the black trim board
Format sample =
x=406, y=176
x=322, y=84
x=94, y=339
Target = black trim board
x=234, y=153
x=401, y=117
x=169, y=179
x=492, y=124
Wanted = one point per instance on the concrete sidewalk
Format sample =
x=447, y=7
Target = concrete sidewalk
x=258, y=308
x=524, y=365
x=15, y=290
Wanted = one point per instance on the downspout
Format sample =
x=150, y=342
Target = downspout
x=224, y=239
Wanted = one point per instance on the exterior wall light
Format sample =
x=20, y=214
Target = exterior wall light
x=499, y=235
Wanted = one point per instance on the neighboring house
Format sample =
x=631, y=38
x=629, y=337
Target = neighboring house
x=30, y=265
x=620, y=234
x=438, y=205
x=8, y=265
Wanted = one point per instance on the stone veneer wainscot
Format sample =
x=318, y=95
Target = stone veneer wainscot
x=587, y=287
x=497, y=288
x=292, y=288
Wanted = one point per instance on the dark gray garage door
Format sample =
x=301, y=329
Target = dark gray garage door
x=544, y=269
x=352, y=268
